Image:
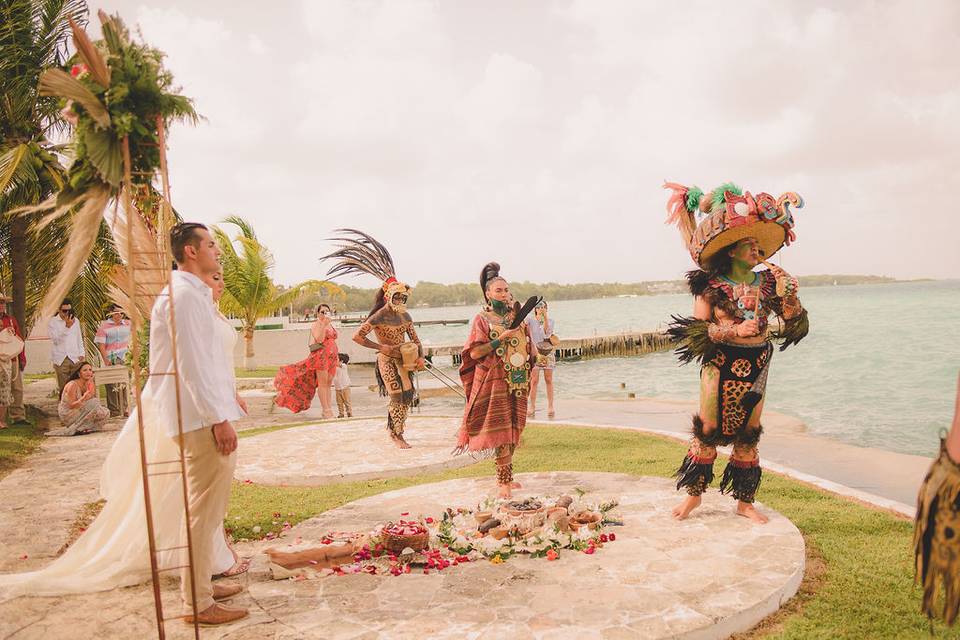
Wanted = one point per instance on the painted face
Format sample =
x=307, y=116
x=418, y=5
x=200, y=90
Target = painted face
x=747, y=251
x=398, y=302
x=499, y=290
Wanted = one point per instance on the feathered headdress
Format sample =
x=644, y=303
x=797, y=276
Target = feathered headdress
x=360, y=253
x=730, y=214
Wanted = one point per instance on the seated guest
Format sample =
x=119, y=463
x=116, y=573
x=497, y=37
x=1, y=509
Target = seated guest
x=80, y=409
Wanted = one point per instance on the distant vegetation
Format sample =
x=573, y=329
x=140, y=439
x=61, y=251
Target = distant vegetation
x=433, y=294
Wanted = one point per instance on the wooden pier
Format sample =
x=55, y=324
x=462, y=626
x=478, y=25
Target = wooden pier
x=633, y=343
x=417, y=323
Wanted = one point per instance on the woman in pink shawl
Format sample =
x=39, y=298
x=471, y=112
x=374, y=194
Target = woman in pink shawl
x=495, y=373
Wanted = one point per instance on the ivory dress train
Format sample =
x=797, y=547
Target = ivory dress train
x=113, y=551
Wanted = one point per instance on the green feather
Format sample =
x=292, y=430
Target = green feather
x=719, y=191
x=693, y=198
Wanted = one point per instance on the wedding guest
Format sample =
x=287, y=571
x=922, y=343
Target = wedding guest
x=341, y=384
x=14, y=407
x=65, y=334
x=113, y=342
x=80, y=409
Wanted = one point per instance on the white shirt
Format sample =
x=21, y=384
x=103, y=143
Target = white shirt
x=341, y=379
x=207, y=390
x=67, y=341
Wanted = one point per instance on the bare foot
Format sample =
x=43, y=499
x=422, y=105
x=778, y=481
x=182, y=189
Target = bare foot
x=516, y=485
x=746, y=510
x=504, y=491
x=400, y=442
x=682, y=510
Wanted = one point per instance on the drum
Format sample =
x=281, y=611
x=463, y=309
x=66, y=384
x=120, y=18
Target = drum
x=409, y=354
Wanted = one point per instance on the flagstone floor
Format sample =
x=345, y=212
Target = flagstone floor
x=346, y=450
x=706, y=577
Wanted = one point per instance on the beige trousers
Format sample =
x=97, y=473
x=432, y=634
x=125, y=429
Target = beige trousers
x=344, y=406
x=64, y=370
x=209, y=475
x=16, y=409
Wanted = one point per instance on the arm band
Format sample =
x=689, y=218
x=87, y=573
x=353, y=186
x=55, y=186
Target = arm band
x=719, y=333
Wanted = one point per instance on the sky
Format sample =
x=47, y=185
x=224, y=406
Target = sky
x=539, y=133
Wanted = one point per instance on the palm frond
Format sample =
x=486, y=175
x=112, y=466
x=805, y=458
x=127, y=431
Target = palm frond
x=53, y=31
x=149, y=256
x=59, y=83
x=18, y=177
x=85, y=225
x=97, y=66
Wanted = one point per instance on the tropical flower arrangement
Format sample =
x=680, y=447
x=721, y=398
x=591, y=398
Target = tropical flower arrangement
x=495, y=531
x=112, y=90
x=115, y=87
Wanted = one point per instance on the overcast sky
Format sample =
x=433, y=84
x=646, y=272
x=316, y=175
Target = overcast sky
x=539, y=134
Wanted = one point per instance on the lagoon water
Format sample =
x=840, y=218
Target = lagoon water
x=879, y=368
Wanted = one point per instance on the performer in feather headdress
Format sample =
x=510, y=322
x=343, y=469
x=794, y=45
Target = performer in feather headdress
x=936, y=534
x=729, y=332
x=495, y=372
x=397, y=359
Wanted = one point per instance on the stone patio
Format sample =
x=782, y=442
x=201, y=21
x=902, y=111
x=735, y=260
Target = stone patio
x=348, y=450
x=655, y=581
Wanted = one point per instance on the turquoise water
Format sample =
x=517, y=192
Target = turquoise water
x=878, y=369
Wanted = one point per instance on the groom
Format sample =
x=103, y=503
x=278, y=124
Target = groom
x=207, y=405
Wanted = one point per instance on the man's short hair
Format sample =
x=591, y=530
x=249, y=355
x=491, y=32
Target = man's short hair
x=182, y=235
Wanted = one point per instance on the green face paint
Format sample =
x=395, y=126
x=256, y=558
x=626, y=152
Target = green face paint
x=745, y=255
x=499, y=307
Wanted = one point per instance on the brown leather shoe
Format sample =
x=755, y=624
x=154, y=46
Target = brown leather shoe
x=224, y=591
x=217, y=614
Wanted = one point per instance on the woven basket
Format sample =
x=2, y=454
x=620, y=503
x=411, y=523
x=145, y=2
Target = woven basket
x=396, y=544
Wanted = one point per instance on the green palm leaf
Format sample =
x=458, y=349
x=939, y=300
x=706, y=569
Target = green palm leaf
x=250, y=293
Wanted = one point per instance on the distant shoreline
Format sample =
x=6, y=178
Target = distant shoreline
x=433, y=295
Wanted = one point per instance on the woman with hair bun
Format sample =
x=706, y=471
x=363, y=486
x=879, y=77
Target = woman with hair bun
x=495, y=372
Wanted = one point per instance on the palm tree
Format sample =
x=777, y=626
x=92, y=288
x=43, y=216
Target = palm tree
x=33, y=37
x=249, y=293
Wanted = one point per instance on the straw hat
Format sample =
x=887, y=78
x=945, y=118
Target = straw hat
x=10, y=344
x=728, y=216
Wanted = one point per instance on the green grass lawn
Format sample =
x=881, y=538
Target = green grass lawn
x=16, y=443
x=863, y=588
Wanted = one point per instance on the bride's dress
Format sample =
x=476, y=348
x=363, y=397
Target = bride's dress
x=113, y=551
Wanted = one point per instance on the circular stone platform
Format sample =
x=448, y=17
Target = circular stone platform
x=706, y=577
x=348, y=450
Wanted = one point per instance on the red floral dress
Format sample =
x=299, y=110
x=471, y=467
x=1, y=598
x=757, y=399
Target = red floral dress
x=296, y=383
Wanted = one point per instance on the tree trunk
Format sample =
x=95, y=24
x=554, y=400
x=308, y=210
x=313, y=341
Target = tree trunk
x=248, y=353
x=18, y=267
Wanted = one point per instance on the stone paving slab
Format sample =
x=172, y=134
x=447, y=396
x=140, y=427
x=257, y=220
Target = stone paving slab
x=706, y=577
x=348, y=450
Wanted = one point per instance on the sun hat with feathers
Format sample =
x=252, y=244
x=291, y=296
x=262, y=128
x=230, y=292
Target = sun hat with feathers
x=727, y=215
